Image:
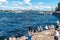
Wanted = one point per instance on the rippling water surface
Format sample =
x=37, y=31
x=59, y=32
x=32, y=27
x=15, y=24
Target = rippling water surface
x=12, y=23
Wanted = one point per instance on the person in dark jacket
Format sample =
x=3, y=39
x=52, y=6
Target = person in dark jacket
x=30, y=28
x=57, y=26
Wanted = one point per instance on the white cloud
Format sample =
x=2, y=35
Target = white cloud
x=43, y=7
x=0, y=3
x=3, y=1
x=3, y=6
x=17, y=2
x=27, y=2
x=14, y=3
x=17, y=8
x=22, y=5
x=36, y=7
x=47, y=7
x=40, y=3
x=54, y=7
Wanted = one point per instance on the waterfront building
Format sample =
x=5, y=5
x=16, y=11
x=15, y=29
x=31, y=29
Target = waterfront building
x=56, y=9
x=59, y=6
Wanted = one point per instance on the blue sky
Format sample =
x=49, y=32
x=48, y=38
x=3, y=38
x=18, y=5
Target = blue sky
x=28, y=4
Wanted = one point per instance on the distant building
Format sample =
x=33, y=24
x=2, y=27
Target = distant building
x=58, y=8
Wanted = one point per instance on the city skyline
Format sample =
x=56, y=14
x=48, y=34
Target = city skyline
x=28, y=4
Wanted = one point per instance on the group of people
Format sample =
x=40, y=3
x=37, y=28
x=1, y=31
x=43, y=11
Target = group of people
x=28, y=36
x=45, y=28
x=12, y=38
x=39, y=29
x=31, y=32
x=56, y=32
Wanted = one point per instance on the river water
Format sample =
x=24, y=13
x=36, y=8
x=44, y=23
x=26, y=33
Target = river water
x=12, y=23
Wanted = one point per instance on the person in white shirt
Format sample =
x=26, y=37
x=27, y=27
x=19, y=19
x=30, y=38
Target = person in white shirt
x=56, y=34
x=46, y=27
x=52, y=26
x=18, y=38
x=5, y=39
x=39, y=28
x=12, y=38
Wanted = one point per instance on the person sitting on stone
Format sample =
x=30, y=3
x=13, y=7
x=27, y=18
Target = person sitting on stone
x=52, y=26
x=12, y=38
x=46, y=27
x=18, y=38
x=56, y=34
x=29, y=35
x=39, y=29
x=5, y=39
x=30, y=28
x=57, y=26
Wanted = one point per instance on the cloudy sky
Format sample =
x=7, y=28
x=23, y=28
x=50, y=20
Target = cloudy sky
x=28, y=4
